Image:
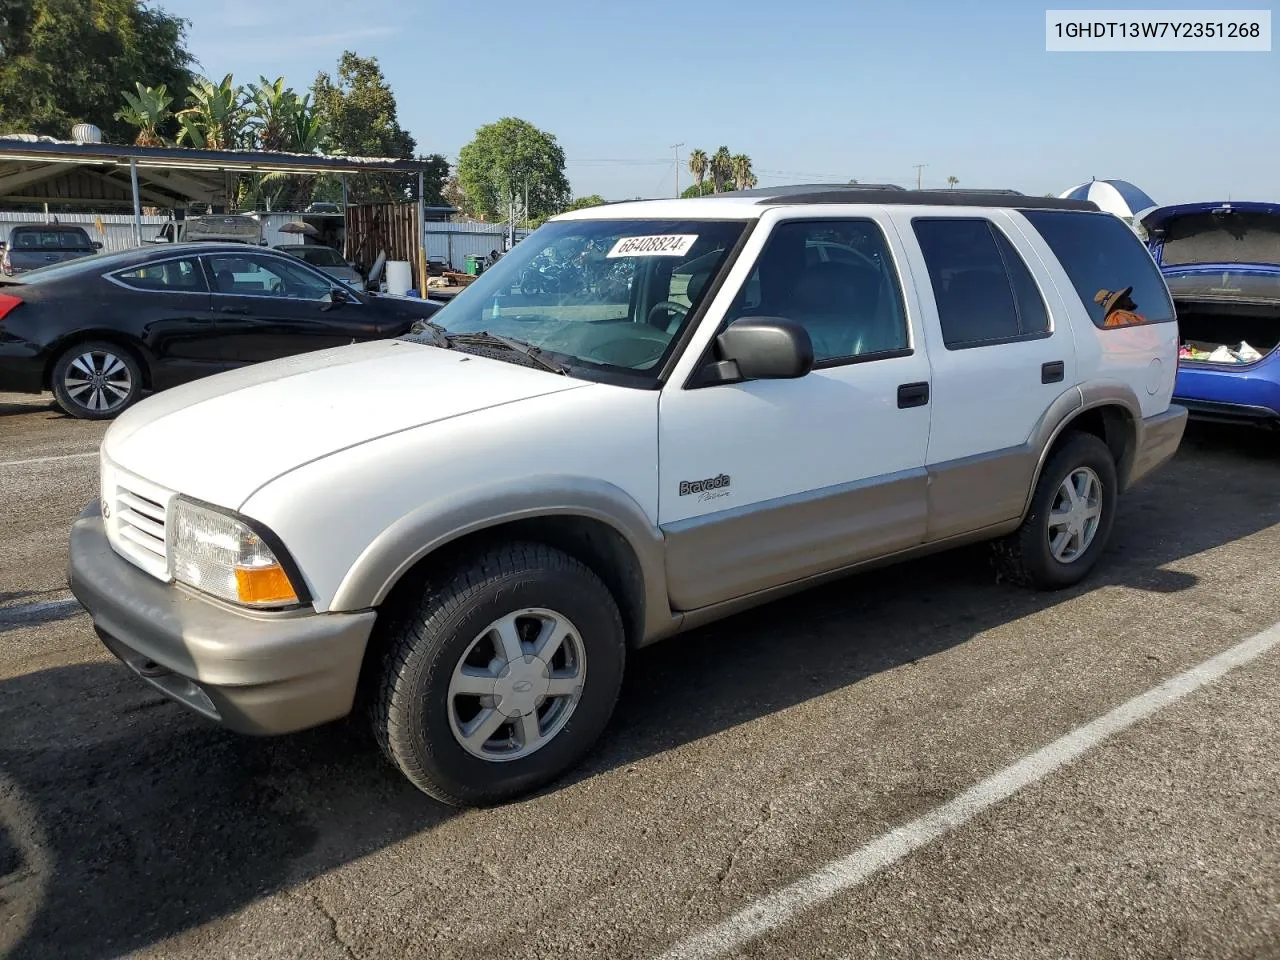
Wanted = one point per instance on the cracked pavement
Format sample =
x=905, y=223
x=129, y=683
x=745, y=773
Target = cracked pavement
x=741, y=758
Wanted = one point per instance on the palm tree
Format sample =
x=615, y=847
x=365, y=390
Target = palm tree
x=952, y=181
x=721, y=168
x=216, y=117
x=740, y=164
x=146, y=110
x=698, y=167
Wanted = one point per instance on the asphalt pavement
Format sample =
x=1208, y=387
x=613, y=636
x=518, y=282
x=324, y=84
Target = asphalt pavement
x=743, y=761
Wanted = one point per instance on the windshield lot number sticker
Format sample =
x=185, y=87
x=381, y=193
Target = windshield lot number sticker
x=668, y=245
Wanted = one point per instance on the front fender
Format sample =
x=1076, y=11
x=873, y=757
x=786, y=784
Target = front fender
x=445, y=519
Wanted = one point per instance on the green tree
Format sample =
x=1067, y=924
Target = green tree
x=581, y=203
x=509, y=160
x=698, y=167
x=743, y=176
x=64, y=62
x=721, y=168
x=952, y=181
x=148, y=110
x=359, y=111
x=699, y=190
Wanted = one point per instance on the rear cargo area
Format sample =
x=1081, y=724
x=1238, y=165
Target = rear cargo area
x=1230, y=334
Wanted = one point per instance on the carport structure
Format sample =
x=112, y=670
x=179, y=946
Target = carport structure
x=37, y=170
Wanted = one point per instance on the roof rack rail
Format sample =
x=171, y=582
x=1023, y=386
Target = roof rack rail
x=898, y=196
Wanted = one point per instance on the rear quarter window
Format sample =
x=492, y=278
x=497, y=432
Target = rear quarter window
x=1110, y=268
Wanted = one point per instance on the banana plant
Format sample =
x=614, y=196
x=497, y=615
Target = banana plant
x=147, y=110
x=215, y=118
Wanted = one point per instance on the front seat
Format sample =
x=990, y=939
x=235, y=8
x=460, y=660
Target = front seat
x=225, y=281
x=827, y=301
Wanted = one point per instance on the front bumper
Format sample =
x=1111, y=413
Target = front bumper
x=1158, y=440
x=254, y=672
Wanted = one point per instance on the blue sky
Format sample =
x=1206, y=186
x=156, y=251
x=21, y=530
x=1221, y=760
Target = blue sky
x=814, y=91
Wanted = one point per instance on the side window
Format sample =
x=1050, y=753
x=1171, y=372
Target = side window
x=1108, y=265
x=837, y=279
x=984, y=291
x=177, y=276
x=262, y=277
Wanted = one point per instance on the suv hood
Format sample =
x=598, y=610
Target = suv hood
x=220, y=438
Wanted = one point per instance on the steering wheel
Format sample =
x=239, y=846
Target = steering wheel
x=670, y=306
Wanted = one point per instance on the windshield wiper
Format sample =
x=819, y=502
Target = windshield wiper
x=516, y=346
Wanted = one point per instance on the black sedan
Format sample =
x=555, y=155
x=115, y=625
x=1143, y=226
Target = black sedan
x=100, y=331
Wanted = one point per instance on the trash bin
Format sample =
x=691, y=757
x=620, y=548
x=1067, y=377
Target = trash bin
x=473, y=265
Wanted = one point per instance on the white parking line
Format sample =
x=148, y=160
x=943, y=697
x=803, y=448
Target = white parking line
x=64, y=456
x=778, y=908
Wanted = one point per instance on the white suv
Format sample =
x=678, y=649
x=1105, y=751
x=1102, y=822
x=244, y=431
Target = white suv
x=701, y=405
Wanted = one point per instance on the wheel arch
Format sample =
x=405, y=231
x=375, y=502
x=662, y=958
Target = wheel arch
x=91, y=334
x=595, y=522
x=1109, y=410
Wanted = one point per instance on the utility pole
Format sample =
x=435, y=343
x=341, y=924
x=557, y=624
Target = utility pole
x=919, y=169
x=676, y=147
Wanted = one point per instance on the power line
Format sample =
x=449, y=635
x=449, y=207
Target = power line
x=676, y=147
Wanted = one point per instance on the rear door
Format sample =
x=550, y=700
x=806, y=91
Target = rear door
x=268, y=307
x=1002, y=352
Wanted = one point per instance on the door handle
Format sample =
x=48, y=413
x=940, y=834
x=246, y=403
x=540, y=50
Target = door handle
x=233, y=309
x=913, y=395
x=1053, y=372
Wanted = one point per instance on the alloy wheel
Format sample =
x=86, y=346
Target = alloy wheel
x=516, y=685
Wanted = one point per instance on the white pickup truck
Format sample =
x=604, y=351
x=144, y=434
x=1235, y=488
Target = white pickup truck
x=705, y=404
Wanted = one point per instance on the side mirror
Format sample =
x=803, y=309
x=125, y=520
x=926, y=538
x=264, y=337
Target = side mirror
x=4, y=245
x=97, y=244
x=761, y=348
x=337, y=295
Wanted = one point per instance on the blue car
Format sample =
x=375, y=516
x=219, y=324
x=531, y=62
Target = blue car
x=1221, y=262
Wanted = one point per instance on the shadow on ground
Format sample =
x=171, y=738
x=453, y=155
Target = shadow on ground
x=151, y=822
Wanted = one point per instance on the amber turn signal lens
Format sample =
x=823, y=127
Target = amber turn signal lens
x=264, y=585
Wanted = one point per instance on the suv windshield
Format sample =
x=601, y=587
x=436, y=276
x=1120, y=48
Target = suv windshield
x=610, y=295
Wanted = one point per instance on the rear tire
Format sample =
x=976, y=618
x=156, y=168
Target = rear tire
x=1057, y=546
x=96, y=380
x=470, y=724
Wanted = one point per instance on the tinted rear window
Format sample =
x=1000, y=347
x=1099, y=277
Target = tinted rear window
x=984, y=291
x=27, y=239
x=1102, y=257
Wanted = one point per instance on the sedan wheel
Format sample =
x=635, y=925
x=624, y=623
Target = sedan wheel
x=96, y=381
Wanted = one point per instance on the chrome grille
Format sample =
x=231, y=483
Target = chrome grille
x=141, y=521
x=136, y=527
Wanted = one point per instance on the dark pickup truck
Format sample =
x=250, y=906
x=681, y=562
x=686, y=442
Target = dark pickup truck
x=40, y=244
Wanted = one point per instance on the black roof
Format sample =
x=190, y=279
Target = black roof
x=893, y=194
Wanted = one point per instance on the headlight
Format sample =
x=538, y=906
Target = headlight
x=221, y=555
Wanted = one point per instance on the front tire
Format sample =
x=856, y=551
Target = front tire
x=500, y=675
x=96, y=380
x=1069, y=522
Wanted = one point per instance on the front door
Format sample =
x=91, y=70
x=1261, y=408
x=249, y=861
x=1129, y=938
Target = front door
x=1003, y=354
x=267, y=307
x=767, y=482
x=173, y=316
